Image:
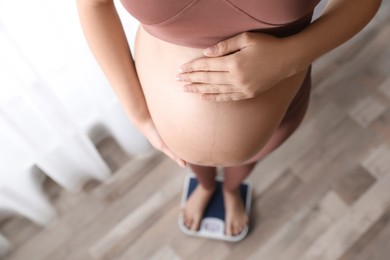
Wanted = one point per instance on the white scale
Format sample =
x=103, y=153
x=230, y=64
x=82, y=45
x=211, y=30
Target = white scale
x=213, y=222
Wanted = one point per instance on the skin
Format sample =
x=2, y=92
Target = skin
x=196, y=130
x=229, y=116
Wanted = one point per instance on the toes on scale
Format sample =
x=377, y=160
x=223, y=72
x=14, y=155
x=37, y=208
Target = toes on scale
x=235, y=221
x=193, y=224
x=234, y=230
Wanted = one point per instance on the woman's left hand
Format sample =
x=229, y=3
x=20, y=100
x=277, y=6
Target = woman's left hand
x=238, y=68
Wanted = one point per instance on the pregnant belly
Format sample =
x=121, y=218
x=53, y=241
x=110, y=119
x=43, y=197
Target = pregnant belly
x=204, y=132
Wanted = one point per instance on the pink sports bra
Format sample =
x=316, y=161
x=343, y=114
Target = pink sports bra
x=202, y=23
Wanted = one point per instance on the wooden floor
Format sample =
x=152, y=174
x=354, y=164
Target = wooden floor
x=325, y=194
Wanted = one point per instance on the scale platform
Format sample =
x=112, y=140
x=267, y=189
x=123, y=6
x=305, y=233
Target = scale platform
x=213, y=222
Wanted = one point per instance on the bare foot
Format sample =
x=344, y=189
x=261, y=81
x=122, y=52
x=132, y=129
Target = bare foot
x=195, y=206
x=235, y=214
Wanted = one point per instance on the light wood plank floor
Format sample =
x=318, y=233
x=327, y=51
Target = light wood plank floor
x=325, y=194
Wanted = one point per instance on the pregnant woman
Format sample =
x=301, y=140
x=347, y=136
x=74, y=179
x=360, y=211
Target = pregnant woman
x=217, y=82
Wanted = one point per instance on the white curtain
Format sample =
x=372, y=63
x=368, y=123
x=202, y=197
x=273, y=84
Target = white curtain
x=54, y=104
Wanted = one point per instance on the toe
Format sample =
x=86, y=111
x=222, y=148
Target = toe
x=241, y=229
x=236, y=230
x=195, y=224
x=184, y=218
x=187, y=222
x=228, y=229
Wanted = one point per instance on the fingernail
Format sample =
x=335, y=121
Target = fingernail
x=181, y=77
x=186, y=88
x=208, y=51
x=181, y=164
x=182, y=69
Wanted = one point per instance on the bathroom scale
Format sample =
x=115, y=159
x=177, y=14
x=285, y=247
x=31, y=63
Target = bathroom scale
x=212, y=224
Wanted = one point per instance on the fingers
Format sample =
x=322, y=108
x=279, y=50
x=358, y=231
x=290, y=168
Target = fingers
x=163, y=148
x=208, y=89
x=228, y=46
x=154, y=138
x=179, y=161
x=205, y=64
x=216, y=93
x=214, y=77
x=224, y=97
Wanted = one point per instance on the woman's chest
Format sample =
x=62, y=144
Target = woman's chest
x=202, y=23
x=274, y=12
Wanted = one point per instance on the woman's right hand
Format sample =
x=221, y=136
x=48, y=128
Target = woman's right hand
x=150, y=132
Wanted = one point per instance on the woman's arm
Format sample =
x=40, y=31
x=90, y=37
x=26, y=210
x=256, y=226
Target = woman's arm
x=107, y=41
x=251, y=63
x=340, y=21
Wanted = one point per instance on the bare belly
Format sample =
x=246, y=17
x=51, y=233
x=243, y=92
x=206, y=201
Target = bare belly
x=204, y=132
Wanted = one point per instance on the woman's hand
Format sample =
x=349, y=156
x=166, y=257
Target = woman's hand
x=150, y=132
x=238, y=68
